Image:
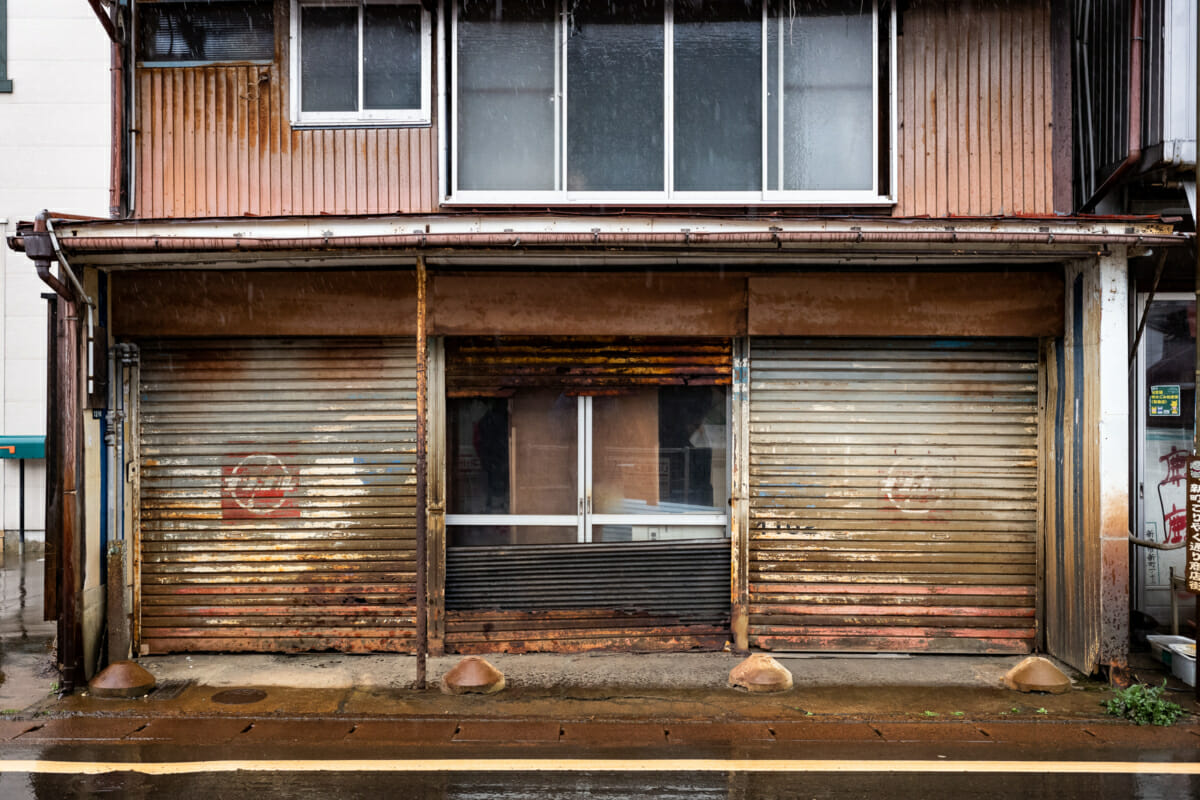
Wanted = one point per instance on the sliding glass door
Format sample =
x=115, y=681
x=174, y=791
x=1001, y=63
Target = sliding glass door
x=541, y=466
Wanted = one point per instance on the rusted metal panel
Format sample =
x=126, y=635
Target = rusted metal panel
x=278, y=501
x=481, y=366
x=263, y=303
x=976, y=118
x=217, y=141
x=437, y=497
x=573, y=631
x=935, y=304
x=893, y=494
x=646, y=304
x=1073, y=560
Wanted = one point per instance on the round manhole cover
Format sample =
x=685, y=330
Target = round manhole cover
x=237, y=697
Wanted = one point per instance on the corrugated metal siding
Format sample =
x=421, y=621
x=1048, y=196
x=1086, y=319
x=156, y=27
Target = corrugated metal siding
x=278, y=495
x=216, y=141
x=1073, y=548
x=893, y=495
x=484, y=365
x=975, y=109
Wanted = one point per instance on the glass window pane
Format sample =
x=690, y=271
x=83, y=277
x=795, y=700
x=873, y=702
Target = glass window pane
x=615, y=57
x=820, y=66
x=391, y=56
x=658, y=451
x=233, y=31
x=506, y=95
x=329, y=58
x=500, y=535
x=1170, y=358
x=718, y=95
x=514, y=455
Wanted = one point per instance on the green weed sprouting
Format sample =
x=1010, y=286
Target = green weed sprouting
x=1143, y=705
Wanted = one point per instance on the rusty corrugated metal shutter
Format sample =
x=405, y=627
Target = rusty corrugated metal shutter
x=893, y=495
x=481, y=365
x=277, y=501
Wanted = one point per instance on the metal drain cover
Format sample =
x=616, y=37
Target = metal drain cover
x=237, y=697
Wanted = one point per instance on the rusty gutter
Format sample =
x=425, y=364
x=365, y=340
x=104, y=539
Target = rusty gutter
x=165, y=244
x=1135, y=112
x=42, y=246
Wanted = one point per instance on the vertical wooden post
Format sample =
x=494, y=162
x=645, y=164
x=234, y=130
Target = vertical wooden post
x=421, y=549
x=740, y=509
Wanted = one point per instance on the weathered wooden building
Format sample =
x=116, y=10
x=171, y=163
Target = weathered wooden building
x=584, y=325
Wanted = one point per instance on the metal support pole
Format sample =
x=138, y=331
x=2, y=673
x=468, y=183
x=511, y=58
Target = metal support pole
x=422, y=548
x=21, y=500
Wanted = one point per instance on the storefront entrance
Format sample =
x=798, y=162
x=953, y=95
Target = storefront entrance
x=587, y=493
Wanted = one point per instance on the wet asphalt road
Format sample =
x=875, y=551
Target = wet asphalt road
x=572, y=785
x=387, y=766
x=330, y=751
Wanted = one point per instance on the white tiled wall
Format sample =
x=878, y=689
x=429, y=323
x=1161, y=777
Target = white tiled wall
x=54, y=153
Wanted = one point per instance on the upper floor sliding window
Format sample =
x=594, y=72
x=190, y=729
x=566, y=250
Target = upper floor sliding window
x=360, y=62
x=675, y=101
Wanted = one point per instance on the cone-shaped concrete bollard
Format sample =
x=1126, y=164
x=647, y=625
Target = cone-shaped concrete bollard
x=473, y=675
x=1036, y=674
x=121, y=679
x=760, y=673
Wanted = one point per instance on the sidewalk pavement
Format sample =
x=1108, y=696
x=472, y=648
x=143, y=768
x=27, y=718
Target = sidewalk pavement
x=613, y=687
x=651, y=706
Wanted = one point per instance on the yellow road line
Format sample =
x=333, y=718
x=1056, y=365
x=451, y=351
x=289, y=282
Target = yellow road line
x=473, y=765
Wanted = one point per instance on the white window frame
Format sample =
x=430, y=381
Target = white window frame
x=390, y=117
x=584, y=520
x=560, y=195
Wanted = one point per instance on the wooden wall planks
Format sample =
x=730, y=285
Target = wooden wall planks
x=975, y=98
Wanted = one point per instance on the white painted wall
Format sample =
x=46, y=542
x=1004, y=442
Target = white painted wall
x=54, y=153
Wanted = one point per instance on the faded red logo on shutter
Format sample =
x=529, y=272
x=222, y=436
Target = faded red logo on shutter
x=258, y=486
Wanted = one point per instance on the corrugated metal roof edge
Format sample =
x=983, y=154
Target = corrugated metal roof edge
x=416, y=232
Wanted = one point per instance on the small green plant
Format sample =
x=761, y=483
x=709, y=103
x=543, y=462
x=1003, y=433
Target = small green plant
x=931, y=713
x=959, y=713
x=1143, y=705
x=1041, y=711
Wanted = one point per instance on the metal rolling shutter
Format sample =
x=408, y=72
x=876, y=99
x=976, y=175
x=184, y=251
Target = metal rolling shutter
x=481, y=365
x=277, y=498
x=893, y=495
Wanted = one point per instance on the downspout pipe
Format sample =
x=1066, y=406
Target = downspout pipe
x=117, y=203
x=1135, y=113
x=43, y=248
